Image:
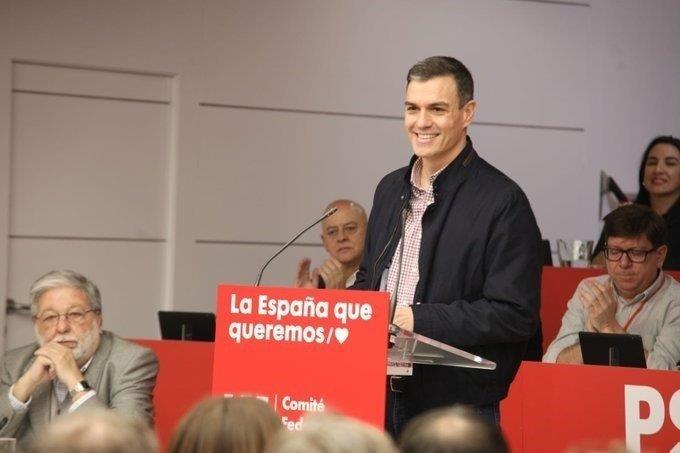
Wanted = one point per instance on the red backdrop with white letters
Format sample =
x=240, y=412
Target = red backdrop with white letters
x=300, y=360
x=552, y=407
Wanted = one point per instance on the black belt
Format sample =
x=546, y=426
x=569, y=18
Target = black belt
x=398, y=384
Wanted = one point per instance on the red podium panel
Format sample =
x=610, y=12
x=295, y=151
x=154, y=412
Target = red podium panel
x=184, y=379
x=552, y=407
x=303, y=350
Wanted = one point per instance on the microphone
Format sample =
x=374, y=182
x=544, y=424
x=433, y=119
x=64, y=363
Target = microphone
x=395, y=293
x=326, y=215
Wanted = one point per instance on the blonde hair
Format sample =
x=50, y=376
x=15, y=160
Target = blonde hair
x=96, y=431
x=230, y=425
x=333, y=433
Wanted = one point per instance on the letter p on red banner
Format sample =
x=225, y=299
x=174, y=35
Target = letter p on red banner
x=303, y=350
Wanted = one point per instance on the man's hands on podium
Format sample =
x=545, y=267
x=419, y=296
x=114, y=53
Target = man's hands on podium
x=403, y=317
x=331, y=271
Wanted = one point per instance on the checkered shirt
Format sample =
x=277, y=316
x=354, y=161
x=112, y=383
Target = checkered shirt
x=420, y=200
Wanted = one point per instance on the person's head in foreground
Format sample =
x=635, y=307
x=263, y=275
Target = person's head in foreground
x=456, y=429
x=635, y=247
x=226, y=425
x=333, y=433
x=96, y=431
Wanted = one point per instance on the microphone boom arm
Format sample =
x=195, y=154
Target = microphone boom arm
x=327, y=214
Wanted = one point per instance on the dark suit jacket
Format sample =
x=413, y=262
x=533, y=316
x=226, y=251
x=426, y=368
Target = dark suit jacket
x=122, y=373
x=480, y=273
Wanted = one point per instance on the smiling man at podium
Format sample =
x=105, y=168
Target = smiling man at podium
x=467, y=266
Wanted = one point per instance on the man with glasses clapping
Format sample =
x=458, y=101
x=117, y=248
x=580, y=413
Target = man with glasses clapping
x=634, y=297
x=74, y=364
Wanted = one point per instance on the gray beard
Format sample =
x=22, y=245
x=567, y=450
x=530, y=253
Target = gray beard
x=85, y=347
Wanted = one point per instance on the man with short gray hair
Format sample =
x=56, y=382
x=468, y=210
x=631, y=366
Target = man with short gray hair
x=343, y=236
x=73, y=364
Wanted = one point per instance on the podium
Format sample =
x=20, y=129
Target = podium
x=309, y=350
x=350, y=380
x=408, y=348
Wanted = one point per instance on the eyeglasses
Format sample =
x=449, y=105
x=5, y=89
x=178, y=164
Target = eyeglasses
x=634, y=255
x=51, y=318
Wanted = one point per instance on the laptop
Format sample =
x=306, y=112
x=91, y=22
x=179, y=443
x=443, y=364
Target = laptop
x=613, y=349
x=187, y=325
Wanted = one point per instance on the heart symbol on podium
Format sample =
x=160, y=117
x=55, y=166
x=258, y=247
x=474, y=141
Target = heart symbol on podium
x=341, y=334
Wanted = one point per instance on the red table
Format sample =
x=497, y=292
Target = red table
x=184, y=379
x=541, y=399
x=557, y=286
x=552, y=407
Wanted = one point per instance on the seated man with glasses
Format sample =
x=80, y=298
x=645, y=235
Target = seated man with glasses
x=74, y=364
x=634, y=297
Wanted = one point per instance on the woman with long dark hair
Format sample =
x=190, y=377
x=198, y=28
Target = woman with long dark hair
x=659, y=188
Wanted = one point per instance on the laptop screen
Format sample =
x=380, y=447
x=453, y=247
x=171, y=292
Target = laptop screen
x=612, y=349
x=186, y=325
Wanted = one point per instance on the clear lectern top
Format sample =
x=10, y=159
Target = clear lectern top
x=409, y=348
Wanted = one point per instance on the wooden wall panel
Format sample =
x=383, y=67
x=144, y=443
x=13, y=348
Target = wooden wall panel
x=128, y=275
x=553, y=169
x=352, y=56
x=244, y=197
x=90, y=163
x=213, y=264
x=91, y=82
x=5, y=137
x=88, y=167
x=264, y=174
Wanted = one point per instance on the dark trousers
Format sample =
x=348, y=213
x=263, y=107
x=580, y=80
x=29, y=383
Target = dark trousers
x=398, y=413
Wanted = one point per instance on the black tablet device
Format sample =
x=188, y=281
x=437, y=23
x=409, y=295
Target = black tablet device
x=615, y=349
x=187, y=325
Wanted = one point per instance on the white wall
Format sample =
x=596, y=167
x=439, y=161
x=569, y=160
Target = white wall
x=634, y=67
x=5, y=121
x=261, y=112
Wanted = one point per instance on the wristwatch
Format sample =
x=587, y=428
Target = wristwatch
x=81, y=386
